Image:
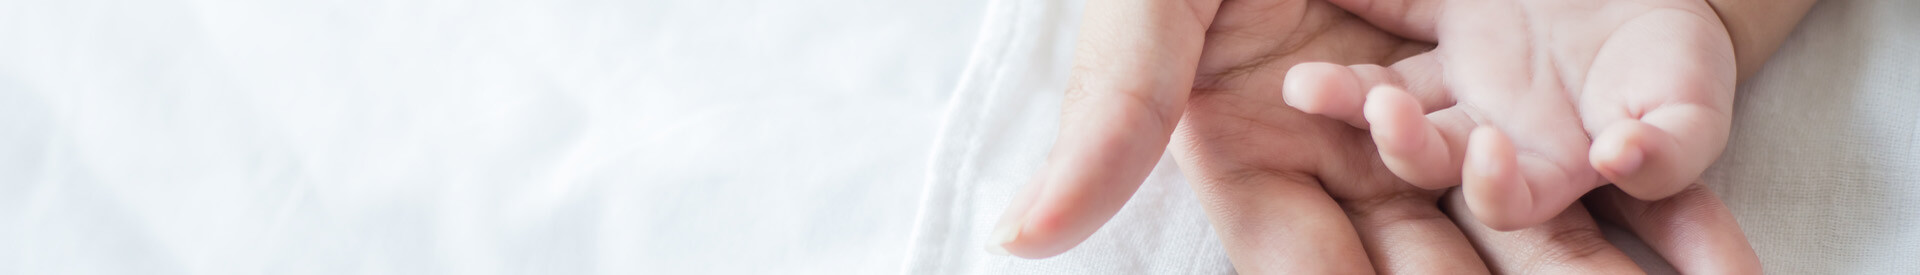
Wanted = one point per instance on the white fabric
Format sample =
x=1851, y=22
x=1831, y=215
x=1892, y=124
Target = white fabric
x=468, y=137
x=1000, y=122
x=1823, y=168
x=1821, y=171
x=705, y=136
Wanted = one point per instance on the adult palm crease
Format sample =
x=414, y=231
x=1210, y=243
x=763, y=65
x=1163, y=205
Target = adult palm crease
x=1287, y=190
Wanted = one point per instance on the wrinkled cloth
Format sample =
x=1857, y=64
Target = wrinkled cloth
x=469, y=137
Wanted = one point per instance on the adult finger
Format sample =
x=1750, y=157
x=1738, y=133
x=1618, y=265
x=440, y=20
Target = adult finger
x=1408, y=18
x=1133, y=68
x=1692, y=229
x=1273, y=222
x=1663, y=92
x=1270, y=209
x=1405, y=232
x=1569, y=243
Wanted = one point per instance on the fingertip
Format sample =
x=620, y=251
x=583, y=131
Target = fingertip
x=1003, y=234
x=1324, y=89
x=1107, y=146
x=1492, y=185
x=1080, y=187
x=1013, y=219
x=1409, y=145
x=1616, y=154
x=1398, y=119
x=1039, y=234
x=1628, y=153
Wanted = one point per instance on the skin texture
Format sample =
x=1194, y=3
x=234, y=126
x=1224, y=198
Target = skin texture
x=1543, y=101
x=1290, y=191
x=1303, y=191
x=1758, y=27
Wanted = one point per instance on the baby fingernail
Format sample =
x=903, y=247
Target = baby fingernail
x=1628, y=161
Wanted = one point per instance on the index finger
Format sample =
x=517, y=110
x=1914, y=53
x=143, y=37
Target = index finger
x=1134, y=65
x=1692, y=229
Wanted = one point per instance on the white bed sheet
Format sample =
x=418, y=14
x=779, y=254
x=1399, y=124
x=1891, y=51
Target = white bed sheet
x=468, y=137
x=1822, y=170
x=675, y=137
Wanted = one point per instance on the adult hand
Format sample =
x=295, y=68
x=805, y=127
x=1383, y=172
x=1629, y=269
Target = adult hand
x=1292, y=192
x=1274, y=179
x=1692, y=230
x=1134, y=71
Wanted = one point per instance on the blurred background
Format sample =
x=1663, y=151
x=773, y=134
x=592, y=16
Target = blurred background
x=469, y=137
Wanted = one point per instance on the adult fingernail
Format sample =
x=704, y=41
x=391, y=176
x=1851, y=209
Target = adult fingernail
x=1003, y=234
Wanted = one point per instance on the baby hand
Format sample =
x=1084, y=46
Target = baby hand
x=1530, y=104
